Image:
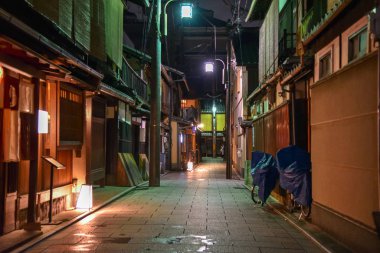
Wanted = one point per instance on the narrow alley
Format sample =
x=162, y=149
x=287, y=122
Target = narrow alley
x=198, y=211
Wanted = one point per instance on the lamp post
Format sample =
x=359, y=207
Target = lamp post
x=186, y=12
x=209, y=67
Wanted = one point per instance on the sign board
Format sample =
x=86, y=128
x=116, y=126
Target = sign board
x=54, y=162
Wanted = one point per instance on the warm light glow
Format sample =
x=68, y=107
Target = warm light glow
x=189, y=166
x=186, y=10
x=209, y=67
x=1, y=72
x=43, y=122
x=201, y=125
x=85, y=197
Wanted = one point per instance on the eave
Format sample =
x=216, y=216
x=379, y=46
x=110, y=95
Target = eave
x=258, y=10
x=324, y=22
x=109, y=90
x=136, y=54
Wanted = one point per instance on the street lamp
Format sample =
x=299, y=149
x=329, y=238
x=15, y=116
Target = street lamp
x=209, y=67
x=186, y=12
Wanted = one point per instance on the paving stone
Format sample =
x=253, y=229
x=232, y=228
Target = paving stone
x=184, y=215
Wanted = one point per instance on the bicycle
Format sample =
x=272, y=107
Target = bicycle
x=264, y=176
x=294, y=167
x=293, y=205
x=255, y=195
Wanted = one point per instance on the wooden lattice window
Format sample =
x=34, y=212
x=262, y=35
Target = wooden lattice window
x=71, y=116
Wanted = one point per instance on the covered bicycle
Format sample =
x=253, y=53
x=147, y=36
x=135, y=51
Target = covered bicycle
x=294, y=166
x=264, y=175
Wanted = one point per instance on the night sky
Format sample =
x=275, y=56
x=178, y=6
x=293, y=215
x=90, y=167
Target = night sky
x=223, y=9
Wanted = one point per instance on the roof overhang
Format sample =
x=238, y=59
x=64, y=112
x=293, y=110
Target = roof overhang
x=258, y=10
x=136, y=54
x=108, y=90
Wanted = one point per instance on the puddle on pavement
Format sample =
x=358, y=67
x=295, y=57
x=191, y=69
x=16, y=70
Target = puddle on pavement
x=201, y=249
x=193, y=239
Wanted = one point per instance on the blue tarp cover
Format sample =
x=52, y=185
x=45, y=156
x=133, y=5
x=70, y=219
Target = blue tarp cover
x=294, y=166
x=264, y=173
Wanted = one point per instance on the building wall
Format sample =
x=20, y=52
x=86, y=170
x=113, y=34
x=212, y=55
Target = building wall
x=343, y=143
x=175, y=145
x=238, y=138
x=268, y=42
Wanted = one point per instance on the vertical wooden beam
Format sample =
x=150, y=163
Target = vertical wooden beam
x=3, y=189
x=33, y=170
x=54, y=99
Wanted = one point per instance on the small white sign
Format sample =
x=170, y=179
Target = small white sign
x=43, y=122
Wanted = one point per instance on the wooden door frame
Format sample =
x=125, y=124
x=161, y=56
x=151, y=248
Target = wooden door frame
x=88, y=123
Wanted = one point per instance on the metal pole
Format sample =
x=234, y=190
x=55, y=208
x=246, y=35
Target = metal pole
x=155, y=105
x=170, y=126
x=293, y=108
x=224, y=69
x=228, y=114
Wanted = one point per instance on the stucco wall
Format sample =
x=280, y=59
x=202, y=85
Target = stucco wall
x=343, y=141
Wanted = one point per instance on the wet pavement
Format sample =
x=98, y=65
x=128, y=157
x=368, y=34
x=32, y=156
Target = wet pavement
x=198, y=211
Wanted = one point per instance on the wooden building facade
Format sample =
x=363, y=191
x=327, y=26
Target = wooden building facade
x=59, y=64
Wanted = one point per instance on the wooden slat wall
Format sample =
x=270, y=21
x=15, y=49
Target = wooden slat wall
x=282, y=127
x=64, y=177
x=272, y=131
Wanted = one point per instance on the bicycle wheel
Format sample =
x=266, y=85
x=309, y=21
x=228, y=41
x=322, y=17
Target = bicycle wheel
x=290, y=203
x=255, y=195
x=306, y=210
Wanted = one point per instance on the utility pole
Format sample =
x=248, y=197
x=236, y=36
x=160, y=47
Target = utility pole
x=155, y=103
x=228, y=114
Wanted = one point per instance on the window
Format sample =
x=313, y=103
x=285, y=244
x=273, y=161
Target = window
x=183, y=103
x=325, y=65
x=71, y=116
x=357, y=44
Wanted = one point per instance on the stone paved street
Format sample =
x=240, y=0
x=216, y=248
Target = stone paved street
x=195, y=211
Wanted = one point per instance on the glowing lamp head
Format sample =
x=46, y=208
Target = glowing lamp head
x=209, y=67
x=186, y=10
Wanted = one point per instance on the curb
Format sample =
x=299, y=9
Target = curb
x=290, y=219
x=22, y=242
x=75, y=220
